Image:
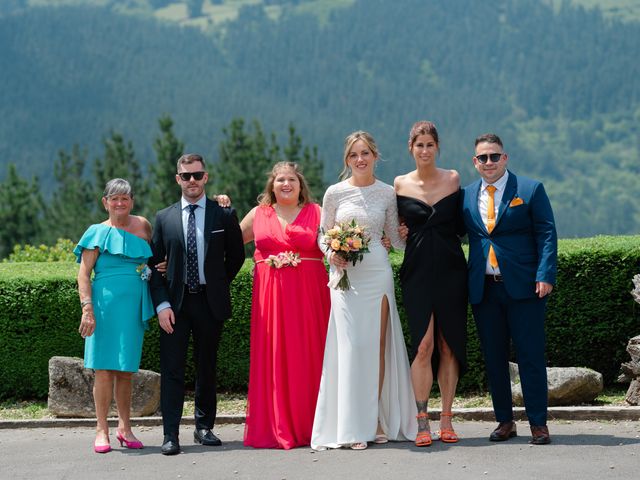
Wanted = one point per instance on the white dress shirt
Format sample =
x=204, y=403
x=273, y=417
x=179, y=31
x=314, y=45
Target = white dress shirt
x=483, y=200
x=199, y=213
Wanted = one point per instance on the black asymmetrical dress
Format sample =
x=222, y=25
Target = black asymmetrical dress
x=434, y=273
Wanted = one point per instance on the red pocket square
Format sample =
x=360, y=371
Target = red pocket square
x=516, y=201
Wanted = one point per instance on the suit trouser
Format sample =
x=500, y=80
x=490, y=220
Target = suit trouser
x=194, y=318
x=499, y=319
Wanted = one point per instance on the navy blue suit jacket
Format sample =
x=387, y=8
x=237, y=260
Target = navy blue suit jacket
x=524, y=238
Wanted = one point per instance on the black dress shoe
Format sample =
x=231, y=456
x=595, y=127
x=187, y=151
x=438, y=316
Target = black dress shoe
x=170, y=445
x=539, y=435
x=205, y=436
x=505, y=431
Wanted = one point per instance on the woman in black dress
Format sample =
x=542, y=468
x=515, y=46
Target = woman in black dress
x=433, y=277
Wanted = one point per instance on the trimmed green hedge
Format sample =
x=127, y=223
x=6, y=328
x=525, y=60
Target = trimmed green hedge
x=591, y=315
x=590, y=318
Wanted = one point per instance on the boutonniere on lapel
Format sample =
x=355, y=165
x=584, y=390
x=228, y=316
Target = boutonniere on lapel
x=515, y=202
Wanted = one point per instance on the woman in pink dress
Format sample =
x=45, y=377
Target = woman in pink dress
x=289, y=313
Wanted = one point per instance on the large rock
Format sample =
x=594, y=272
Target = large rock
x=71, y=390
x=631, y=370
x=567, y=386
x=633, y=393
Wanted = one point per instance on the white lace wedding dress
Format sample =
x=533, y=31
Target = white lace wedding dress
x=348, y=408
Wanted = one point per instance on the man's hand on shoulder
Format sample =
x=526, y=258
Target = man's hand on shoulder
x=222, y=200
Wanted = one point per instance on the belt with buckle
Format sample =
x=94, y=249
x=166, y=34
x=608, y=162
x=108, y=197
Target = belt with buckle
x=198, y=289
x=493, y=278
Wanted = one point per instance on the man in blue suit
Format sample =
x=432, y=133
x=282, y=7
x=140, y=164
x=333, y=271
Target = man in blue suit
x=512, y=269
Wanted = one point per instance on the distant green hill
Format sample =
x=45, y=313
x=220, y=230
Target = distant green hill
x=207, y=13
x=625, y=10
x=203, y=14
x=558, y=83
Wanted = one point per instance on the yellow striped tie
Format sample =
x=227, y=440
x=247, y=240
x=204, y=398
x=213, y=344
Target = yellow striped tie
x=491, y=223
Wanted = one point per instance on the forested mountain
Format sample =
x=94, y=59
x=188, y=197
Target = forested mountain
x=559, y=83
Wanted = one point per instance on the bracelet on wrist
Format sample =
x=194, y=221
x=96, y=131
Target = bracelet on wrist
x=84, y=303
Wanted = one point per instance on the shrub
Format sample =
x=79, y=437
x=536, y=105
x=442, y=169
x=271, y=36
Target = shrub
x=590, y=317
x=62, y=251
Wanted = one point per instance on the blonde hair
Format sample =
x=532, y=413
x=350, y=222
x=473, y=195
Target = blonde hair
x=348, y=144
x=267, y=197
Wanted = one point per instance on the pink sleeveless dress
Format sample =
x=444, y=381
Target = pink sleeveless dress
x=289, y=316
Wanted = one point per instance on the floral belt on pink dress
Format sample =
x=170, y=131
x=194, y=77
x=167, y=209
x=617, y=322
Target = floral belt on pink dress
x=285, y=259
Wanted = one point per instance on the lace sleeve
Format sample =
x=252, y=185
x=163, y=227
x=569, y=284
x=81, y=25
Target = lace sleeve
x=327, y=219
x=391, y=222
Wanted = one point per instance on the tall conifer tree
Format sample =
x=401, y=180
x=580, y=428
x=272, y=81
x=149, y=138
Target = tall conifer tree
x=72, y=207
x=244, y=159
x=162, y=187
x=20, y=211
x=311, y=166
x=120, y=162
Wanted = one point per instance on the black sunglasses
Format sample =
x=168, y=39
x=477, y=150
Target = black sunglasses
x=186, y=176
x=485, y=157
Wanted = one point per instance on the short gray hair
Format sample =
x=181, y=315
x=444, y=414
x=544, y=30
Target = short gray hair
x=117, y=186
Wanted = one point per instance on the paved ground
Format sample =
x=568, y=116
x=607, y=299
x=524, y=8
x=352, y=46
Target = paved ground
x=580, y=450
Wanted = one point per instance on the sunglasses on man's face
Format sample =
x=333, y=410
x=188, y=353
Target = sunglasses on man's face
x=485, y=157
x=186, y=176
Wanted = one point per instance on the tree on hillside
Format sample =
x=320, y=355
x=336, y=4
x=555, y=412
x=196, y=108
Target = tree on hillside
x=72, y=207
x=162, y=187
x=245, y=157
x=155, y=4
x=311, y=166
x=8, y=7
x=20, y=211
x=120, y=162
x=194, y=7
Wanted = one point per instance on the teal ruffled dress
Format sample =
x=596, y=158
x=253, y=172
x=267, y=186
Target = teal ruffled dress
x=122, y=302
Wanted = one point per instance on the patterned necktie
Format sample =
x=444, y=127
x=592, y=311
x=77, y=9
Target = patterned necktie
x=491, y=223
x=193, y=278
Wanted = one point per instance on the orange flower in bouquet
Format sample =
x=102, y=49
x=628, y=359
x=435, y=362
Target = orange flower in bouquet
x=351, y=242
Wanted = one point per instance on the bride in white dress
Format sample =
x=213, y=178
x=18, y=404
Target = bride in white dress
x=365, y=392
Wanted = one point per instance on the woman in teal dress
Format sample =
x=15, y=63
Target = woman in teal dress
x=116, y=306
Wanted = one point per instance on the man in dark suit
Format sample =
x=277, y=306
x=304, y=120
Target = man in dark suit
x=203, y=247
x=512, y=269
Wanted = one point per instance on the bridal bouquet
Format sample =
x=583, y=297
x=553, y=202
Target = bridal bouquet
x=350, y=241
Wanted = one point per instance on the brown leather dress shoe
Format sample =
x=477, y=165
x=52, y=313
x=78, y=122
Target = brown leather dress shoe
x=505, y=431
x=540, y=435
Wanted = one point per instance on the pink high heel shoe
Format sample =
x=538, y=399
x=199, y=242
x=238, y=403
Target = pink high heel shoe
x=135, y=444
x=101, y=448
